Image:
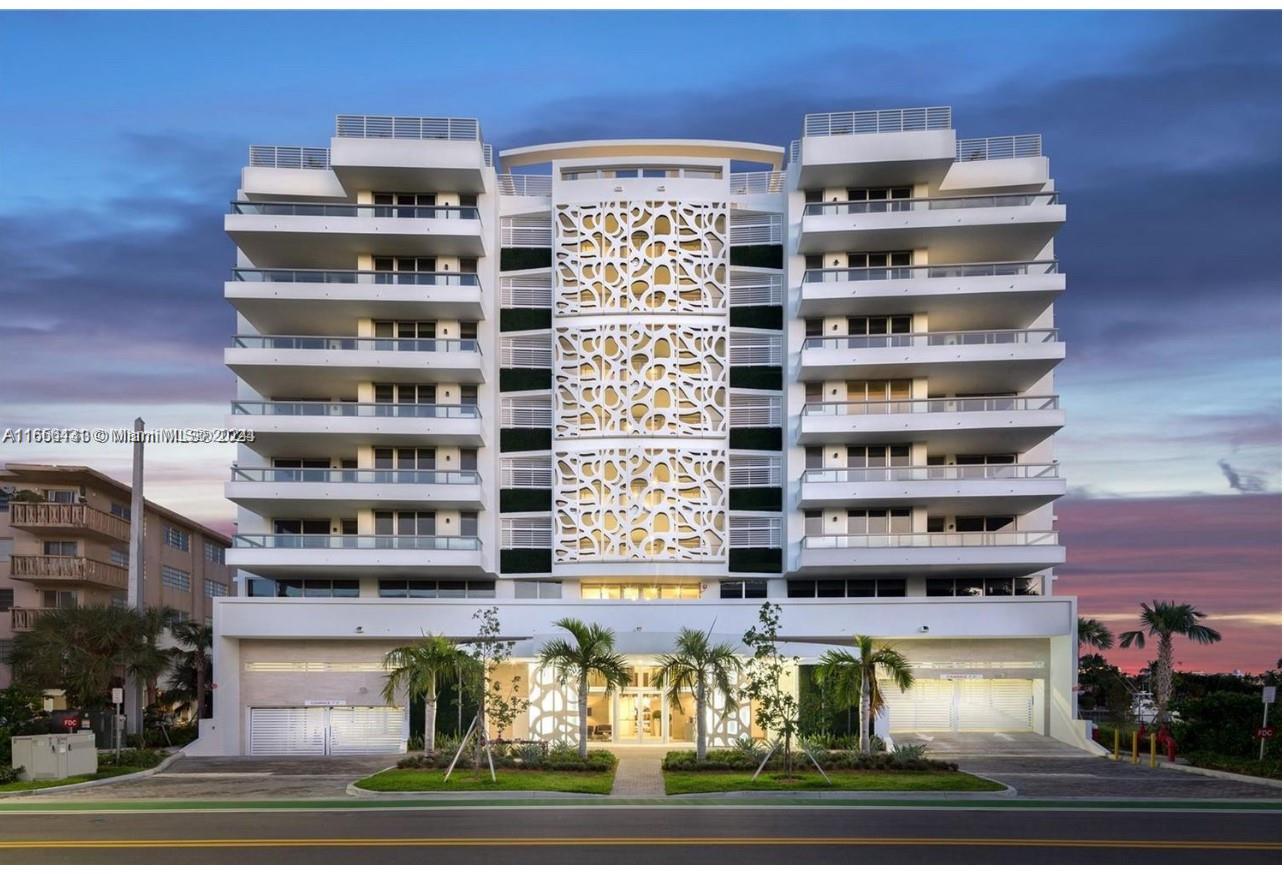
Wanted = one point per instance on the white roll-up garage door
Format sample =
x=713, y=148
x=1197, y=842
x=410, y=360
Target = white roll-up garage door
x=928, y=705
x=961, y=705
x=288, y=731
x=325, y=731
x=355, y=730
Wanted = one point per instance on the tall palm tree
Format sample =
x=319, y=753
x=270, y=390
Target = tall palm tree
x=418, y=669
x=1094, y=633
x=145, y=659
x=854, y=678
x=590, y=650
x=1164, y=620
x=701, y=668
x=189, y=680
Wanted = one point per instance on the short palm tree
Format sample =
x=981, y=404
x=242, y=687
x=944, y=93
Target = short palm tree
x=591, y=650
x=1164, y=620
x=418, y=669
x=1094, y=633
x=853, y=678
x=701, y=668
x=189, y=681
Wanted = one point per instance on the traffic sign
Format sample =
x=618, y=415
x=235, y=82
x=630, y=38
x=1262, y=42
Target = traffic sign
x=1265, y=732
x=1268, y=694
x=117, y=695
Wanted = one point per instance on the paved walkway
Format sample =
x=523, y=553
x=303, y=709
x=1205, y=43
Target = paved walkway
x=638, y=774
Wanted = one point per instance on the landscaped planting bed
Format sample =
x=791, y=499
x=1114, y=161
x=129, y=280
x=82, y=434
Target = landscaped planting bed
x=518, y=767
x=131, y=761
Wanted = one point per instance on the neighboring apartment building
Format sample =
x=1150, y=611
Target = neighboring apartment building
x=631, y=385
x=64, y=541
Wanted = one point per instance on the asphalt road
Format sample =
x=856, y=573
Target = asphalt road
x=653, y=835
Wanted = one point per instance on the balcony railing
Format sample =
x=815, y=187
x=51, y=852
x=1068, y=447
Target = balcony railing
x=997, y=148
x=68, y=568
x=25, y=618
x=932, y=271
x=756, y=228
x=877, y=121
x=929, y=473
x=524, y=185
x=525, y=532
x=73, y=516
x=912, y=204
x=925, y=539
x=932, y=338
x=757, y=289
x=762, y=182
x=989, y=404
x=756, y=411
x=355, y=541
x=353, y=344
x=377, y=476
x=755, y=532
x=525, y=472
x=404, y=127
x=356, y=277
x=344, y=408
x=756, y=350
x=290, y=157
x=352, y=210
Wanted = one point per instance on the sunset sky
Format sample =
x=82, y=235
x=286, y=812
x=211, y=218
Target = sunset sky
x=124, y=134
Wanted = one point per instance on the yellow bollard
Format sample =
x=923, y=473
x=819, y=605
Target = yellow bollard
x=1135, y=757
x=1152, y=749
x=1116, y=744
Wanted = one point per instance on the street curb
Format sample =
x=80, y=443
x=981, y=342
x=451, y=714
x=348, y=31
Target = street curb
x=106, y=781
x=1224, y=775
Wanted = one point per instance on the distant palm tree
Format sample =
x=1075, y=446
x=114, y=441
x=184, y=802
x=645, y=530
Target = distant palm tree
x=697, y=666
x=1094, y=633
x=418, y=669
x=590, y=651
x=1164, y=620
x=854, y=678
x=189, y=680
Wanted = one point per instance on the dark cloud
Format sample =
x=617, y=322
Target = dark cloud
x=1241, y=481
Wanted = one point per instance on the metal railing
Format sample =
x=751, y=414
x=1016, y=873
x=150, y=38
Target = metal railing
x=757, y=350
x=650, y=171
x=929, y=473
x=526, y=472
x=761, y=182
x=352, y=210
x=911, y=204
x=525, y=532
x=932, y=338
x=923, y=538
x=795, y=151
x=524, y=185
x=25, y=618
x=531, y=231
x=877, y=121
x=532, y=292
x=997, y=148
x=526, y=350
x=356, y=277
x=356, y=344
x=757, y=289
x=526, y=412
x=354, y=409
x=755, y=411
x=290, y=157
x=755, y=470
x=378, y=476
x=404, y=127
x=488, y=155
x=988, y=404
x=23, y=514
x=756, y=228
x=355, y=541
x=932, y=271
x=750, y=532
x=67, y=567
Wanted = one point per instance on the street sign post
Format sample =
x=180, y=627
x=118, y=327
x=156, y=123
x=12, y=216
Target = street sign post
x=1268, y=698
x=118, y=698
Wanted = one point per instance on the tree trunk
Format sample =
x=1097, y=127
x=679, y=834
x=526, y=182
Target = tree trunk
x=701, y=740
x=200, y=687
x=1163, y=677
x=583, y=708
x=430, y=719
x=864, y=712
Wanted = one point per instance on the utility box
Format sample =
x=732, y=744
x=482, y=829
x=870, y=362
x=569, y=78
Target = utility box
x=55, y=756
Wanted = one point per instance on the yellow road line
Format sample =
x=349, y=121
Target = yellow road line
x=498, y=841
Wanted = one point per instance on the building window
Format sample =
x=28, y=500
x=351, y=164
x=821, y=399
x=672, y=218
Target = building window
x=639, y=592
x=6, y=495
x=62, y=496
x=119, y=557
x=6, y=600
x=176, y=538
x=173, y=578
x=121, y=511
x=6, y=650
x=119, y=600
x=57, y=600
x=215, y=554
x=537, y=589
x=6, y=548
x=436, y=588
x=743, y=589
x=183, y=616
x=61, y=547
x=843, y=588
x=260, y=588
x=215, y=589
x=975, y=587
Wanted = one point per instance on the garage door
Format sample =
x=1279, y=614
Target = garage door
x=926, y=706
x=961, y=705
x=324, y=731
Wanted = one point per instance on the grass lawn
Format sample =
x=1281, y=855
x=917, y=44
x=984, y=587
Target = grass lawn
x=463, y=780
x=103, y=771
x=681, y=782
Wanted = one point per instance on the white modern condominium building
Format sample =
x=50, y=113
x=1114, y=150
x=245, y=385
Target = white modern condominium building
x=651, y=384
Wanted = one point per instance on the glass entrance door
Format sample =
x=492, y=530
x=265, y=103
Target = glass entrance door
x=640, y=716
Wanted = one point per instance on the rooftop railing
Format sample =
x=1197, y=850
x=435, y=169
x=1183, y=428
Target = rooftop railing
x=354, y=409
x=355, y=277
x=932, y=338
x=523, y=185
x=908, y=204
x=365, y=476
x=935, y=539
x=354, y=541
x=929, y=473
x=932, y=271
x=406, y=127
x=876, y=121
x=914, y=406
x=997, y=148
x=353, y=210
x=763, y=182
x=290, y=157
x=353, y=344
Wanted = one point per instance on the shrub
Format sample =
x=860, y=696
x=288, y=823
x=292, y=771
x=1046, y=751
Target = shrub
x=1268, y=767
x=132, y=758
x=732, y=759
x=910, y=753
x=10, y=774
x=524, y=755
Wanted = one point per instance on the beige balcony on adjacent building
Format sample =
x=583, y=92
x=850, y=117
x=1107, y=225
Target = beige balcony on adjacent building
x=72, y=520
x=965, y=489
x=25, y=618
x=1015, y=552
x=288, y=491
x=67, y=569
x=300, y=428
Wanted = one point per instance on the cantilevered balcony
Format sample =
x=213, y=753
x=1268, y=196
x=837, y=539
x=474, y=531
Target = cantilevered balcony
x=49, y=569
x=331, y=301
x=1006, y=423
x=307, y=234
x=409, y=153
x=301, y=427
x=354, y=555
x=1015, y=552
x=996, y=293
x=963, y=489
x=874, y=146
x=296, y=365
x=983, y=226
x=952, y=361
x=289, y=491
x=69, y=520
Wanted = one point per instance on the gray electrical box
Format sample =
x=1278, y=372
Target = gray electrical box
x=55, y=756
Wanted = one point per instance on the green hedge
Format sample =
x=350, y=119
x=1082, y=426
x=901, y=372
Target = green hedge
x=525, y=439
x=525, y=319
x=738, y=759
x=525, y=258
x=525, y=500
x=757, y=498
x=518, y=756
x=524, y=378
x=758, y=317
x=758, y=256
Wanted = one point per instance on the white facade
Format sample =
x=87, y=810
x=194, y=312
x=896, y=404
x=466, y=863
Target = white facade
x=638, y=387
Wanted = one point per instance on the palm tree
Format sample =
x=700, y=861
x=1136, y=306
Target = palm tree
x=418, y=670
x=1094, y=633
x=701, y=668
x=144, y=657
x=1164, y=619
x=189, y=680
x=854, y=678
x=591, y=650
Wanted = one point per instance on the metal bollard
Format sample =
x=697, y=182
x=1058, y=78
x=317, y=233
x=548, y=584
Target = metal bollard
x=1135, y=757
x=1116, y=744
x=1152, y=750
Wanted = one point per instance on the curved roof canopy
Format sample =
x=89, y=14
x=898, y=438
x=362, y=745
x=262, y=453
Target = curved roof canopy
x=734, y=151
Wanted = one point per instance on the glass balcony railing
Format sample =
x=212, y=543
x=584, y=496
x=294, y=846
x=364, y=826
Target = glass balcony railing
x=935, y=338
x=932, y=271
x=1000, y=403
x=343, y=408
x=377, y=476
x=355, y=541
x=356, y=277
x=352, y=210
x=930, y=539
x=353, y=344
x=929, y=473
x=914, y=204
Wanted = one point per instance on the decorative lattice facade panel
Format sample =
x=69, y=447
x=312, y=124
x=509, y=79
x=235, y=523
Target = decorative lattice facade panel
x=644, y=504
x=620, y=379
x=641, y=256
